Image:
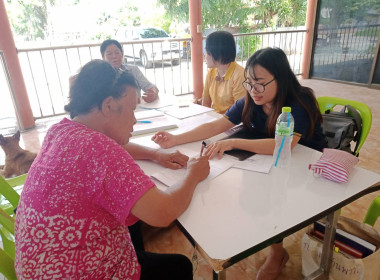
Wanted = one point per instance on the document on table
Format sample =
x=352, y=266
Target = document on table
x=147, y=114
x=188, y=111
x=155, y=124
x=170, y=177
x=257, y=163
x=156, y=104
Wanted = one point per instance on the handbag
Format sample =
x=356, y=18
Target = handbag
x=334, y=165
x=343, y=267
x=341, y=128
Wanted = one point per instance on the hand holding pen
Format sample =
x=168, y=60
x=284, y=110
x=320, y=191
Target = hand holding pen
x=203, y=147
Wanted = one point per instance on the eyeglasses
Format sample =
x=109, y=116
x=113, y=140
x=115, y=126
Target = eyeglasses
x=260, y=88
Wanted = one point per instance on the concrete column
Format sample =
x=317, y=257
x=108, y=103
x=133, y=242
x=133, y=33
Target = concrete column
x=195, y=13
x=308, y=43
x=7, y=45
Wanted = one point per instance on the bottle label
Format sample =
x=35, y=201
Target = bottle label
x=283, y=129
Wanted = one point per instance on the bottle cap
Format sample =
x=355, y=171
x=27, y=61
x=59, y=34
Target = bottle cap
x=286, y=109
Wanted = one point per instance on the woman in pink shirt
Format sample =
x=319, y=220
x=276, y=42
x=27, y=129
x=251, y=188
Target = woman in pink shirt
x=84, y=190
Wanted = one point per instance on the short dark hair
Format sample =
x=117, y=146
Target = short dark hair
x=96, y=81
x=107, y=43
x=221, y=46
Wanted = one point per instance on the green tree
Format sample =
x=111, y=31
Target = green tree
x=231, y=13
x=285, y=13
x=216, y=13
x=29, y=17
x=109, y=23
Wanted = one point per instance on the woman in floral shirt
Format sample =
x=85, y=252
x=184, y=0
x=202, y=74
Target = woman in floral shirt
x=84, y=190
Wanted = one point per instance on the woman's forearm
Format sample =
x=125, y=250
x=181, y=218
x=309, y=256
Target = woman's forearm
x=140, y=152
x=204, y=131
x=259, y=146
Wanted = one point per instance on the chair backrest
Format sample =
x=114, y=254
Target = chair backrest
x=6, y=266
x=328, y=103
x=8, y=193
x=373, y=212
x=7, y=254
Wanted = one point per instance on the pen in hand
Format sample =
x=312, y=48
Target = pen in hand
x=203, y=146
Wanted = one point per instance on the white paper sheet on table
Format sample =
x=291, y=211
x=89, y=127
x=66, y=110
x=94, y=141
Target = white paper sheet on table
x=170, y=177
x=257, y=163
x=158, y=123
x=160, y=102
x=147, y=114
x=185, y=112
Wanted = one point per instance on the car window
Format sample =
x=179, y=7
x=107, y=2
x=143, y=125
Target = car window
x=152, y=33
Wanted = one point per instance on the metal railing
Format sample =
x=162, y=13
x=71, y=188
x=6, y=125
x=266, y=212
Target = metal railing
x=47, y=70
x=345, y=43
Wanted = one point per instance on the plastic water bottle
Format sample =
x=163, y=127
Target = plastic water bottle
x=284, y=136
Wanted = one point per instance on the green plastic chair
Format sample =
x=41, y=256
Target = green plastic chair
x=9, y=201
x=8, y=193
x=7, y=254
x=327, y=103
x=373, y=212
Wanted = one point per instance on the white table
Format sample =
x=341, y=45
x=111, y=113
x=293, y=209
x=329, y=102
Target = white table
x=241, y=212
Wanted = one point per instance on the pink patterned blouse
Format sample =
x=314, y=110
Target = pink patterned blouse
x=75, y=208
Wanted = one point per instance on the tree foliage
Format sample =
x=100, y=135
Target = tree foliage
x=110, y=22
x=272, y=13
x=29, y=18
x=231, y=13
x=216, y=13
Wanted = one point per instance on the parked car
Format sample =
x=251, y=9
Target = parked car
x=149, y=52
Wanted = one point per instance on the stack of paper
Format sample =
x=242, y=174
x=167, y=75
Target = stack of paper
x=147, y=114
x=153, y=125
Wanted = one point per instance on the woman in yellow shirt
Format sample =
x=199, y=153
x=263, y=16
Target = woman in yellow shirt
x=223, y=85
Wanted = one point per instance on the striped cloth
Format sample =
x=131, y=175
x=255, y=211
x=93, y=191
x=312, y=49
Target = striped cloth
x=334, y=165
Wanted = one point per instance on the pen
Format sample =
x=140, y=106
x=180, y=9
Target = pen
x=144, y=122
x=203, y=146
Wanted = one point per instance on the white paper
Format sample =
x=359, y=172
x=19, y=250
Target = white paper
x=257, y=163
x=147, y=114
x=158, y=123
x=162, y=101
x=185, y=112
x=171, y=177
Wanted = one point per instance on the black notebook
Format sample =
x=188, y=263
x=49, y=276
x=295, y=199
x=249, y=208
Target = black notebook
x=239, y=132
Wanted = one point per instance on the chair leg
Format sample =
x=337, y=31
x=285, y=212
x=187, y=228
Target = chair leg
x=373, y=212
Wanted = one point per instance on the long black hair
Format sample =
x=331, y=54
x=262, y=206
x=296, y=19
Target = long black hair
x=96, y=81
x=289, y=90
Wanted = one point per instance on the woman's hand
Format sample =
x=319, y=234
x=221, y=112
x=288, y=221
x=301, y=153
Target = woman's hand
x=218, y=148
x=150, y=95
x=164, y=139
x=172, y=160
x=198, y=168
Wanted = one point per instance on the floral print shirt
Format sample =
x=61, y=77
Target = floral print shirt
x=74, y=211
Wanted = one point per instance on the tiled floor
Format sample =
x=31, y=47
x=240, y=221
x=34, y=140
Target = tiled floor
x=172, y=240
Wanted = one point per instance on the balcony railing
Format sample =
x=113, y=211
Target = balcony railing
x=345, y=43
x=47, y=70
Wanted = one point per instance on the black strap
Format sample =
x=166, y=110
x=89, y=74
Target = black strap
x=358, y=120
